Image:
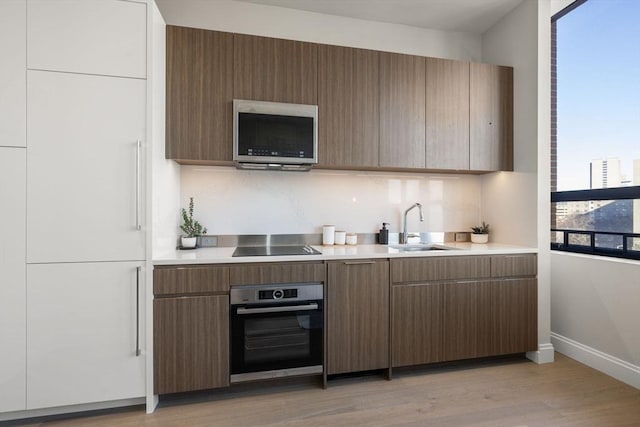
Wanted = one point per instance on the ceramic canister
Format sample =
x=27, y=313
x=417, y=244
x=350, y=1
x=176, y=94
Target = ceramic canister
x=328, y=234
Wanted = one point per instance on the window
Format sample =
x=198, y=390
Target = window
x=595, y=135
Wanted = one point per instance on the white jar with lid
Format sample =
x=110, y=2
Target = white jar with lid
x=328, y=234
x=352, y=239
x=340, y=237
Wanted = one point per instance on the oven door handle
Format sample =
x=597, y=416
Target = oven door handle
x=242, y=310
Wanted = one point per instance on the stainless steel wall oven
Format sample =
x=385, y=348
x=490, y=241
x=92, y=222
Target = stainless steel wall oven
x=276, y=330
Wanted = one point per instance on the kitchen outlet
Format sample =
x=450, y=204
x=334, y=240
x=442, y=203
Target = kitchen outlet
x=462, y=237
x=208, y=241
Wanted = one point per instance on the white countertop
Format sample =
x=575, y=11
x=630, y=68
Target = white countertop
x=223, y=255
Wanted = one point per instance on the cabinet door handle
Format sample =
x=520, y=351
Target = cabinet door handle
x=138, y=179
x=138, y=350
x=358, y=262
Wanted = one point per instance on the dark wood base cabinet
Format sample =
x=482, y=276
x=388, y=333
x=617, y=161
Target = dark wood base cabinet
x=467, y=320
x=417, y=324
x=357, y=316
x=190, y=328
x=191, y=343
x=515, y=315
x=444, y=319
x=379, y=314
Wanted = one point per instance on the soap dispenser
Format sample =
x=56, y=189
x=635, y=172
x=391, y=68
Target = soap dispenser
x=383, y=237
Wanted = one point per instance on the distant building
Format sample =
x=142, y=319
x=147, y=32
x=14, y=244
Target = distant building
x=605, y=173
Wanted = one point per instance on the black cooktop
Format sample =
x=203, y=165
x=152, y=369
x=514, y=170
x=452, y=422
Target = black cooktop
x=275, y=250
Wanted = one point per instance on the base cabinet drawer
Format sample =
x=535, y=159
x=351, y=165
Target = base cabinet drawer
x=191, y=343
x=279, y=272
x=190, y=280
x=422, y=270
x=514, y=265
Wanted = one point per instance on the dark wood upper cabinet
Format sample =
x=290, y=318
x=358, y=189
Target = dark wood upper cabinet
x=491, y=117
x=447, y=114
x=376, y=109
x=268, y=69
x=402, y=110
x=199, y=95
x=347, y=107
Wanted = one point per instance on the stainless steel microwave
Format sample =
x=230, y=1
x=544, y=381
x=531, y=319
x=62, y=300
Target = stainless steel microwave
x=274, y=135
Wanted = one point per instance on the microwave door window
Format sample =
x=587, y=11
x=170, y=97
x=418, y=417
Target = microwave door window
x=275, y=135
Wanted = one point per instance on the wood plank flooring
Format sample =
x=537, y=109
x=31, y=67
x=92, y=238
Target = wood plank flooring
x=513, y=392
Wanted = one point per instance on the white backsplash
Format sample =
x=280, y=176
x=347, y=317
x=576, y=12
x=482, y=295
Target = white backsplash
x=231, y=201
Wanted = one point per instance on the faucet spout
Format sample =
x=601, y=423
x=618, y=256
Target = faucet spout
x=403, y=236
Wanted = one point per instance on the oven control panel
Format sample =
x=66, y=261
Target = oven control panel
x=278, y=294
x=265, y=294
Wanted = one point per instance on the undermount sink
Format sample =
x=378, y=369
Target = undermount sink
x=419, y=248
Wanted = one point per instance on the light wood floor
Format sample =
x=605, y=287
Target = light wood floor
x=505, y=393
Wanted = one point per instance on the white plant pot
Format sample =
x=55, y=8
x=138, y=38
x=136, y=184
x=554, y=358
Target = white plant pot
x=188, y=242
x=479, y=238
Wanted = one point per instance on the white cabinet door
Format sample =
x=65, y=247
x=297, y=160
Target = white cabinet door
x=13, y=33
x=82, y=322
x=12, y=279
x=85, y=170
x=106, y=37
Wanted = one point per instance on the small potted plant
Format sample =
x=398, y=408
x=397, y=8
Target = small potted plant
x=480, y=233
x=191, y=228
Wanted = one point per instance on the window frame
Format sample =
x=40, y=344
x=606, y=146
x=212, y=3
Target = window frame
x=616, y=193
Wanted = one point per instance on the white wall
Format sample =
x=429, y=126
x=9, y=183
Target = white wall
x=517, y=204
x=271, y=21
x=229, y=201
x=595, y=305
x=513, y=41
x=165, y=187
x=595, y=312
x=558, y=5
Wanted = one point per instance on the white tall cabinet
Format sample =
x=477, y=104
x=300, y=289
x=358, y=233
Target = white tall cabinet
x=12, y=279
x=85, y=167
x=13, y=15
x=13, y=33
x=86, y=324
x=72, y=293
x=105, y=37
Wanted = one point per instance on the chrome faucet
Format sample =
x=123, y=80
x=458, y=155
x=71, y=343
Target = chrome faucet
x=403, y=236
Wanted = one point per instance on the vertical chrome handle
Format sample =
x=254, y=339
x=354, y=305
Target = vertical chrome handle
x=138, y=351
x=138, y=147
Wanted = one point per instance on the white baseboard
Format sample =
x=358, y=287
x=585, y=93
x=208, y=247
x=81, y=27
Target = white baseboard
x=544, y=354
x=617, y=368
x=35, y=413
x=152, y=403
